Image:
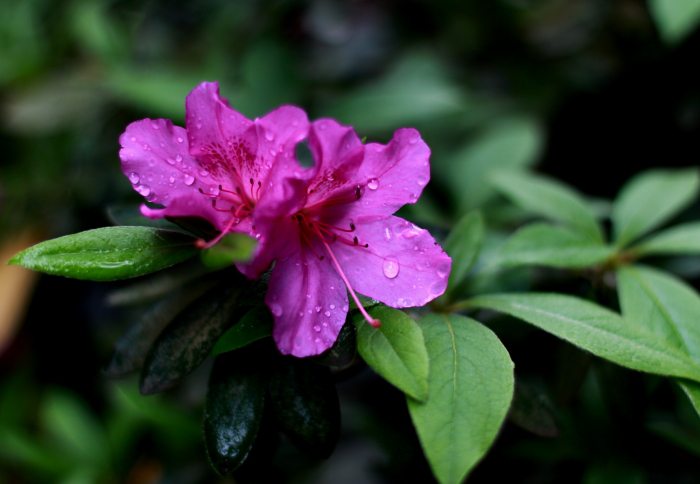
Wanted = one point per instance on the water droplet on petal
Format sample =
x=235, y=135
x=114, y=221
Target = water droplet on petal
x=390, y=268
x=276, y=309
x=318, y=309
x=317, y=328
x=134, y=178
x=178, y=158
x=189, y=180
x=328, y=314
x=214, y=190
x=413, y=140
x=155, y=126
x=170, y=161
x=179, y=139
x=204, y=173
x=171, y=180
x=373, y=184
x=143, y=190
x=269, y=136
x=332, y=306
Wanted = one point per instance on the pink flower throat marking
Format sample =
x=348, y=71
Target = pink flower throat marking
x=310, y=227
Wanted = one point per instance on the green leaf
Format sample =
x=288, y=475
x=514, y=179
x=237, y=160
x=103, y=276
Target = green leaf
x=692, y=391
x=668, y=307
x=512, y=143
x=675, y=18
x=305, y=402
x=255, y=325
x=681, y=239
x=74, y=429
x=395, y=350
x=549, y=198
x=463, y=245
x=549, y=245
x=650, y=199
x=471, y=387
x=108, y=253
x=233, y=409
x=662, y=304
x=188, y=340
x=596, y=329
x=230, y=249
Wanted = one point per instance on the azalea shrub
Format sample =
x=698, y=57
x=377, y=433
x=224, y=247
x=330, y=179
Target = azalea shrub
x=225, y=190
x=386, y=245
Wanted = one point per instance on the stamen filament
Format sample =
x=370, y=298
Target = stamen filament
x=203, y=244
x=372, y=321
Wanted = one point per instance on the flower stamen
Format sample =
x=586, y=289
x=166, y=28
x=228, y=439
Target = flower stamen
x=372, y=321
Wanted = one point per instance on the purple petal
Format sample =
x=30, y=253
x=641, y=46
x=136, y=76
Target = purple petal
x=402, y=266
x=309, y=303
x=156, y=160
x=390, y=176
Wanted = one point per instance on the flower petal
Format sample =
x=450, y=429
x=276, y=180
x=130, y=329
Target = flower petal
x=402, y=266
x=390, y=176
x=156, y=160
x=309, y=303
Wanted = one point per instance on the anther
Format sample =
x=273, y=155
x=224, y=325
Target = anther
x=355, y=241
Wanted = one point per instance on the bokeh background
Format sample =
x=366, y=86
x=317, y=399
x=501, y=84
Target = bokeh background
x=588, y=91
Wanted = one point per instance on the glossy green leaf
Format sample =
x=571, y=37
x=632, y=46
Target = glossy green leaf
x=667, y=306
x=463, y=245
x=596, y=329
x=512, y=143
x=108, y=253
x=305, y=402
x=255, y=325
x=230, y=249
x=681, y=239
x=188, y=340
x=550, y=245
x=650, y=199
x=471, y=387
x=551, y=199
x=233, y=409
x=396, y=350
x=675, y=18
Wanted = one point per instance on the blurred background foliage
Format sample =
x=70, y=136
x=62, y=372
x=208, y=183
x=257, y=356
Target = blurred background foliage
x=590, y=91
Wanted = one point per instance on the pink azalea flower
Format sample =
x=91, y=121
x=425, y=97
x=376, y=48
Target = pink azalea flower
x=336, y=234
x=218, y=167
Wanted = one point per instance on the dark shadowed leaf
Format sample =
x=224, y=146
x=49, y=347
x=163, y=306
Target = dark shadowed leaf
x=395, y=350
x=305, y=403
x=188, y=340
x=132, y=347
x=471, y=387
x=650, y=199
x=596, y=329
x=233, y=409
x=343, y=353
x=550, y=245
x=108, y=253
x=533, y=411
x=549, y=198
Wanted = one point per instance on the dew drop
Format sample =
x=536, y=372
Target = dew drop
x=146, y=147
x=276, y=309
x=413, y=140
x=328, y=314
x=318, y=309
x=134, y=178
x=171, y=180
x=317, y=340
x=179, y=139
x=143, y=190
x=133, y=138
x=155, y=126
x=178, y=158
x=189, y=180
x=269, y=136
x=390, y=268
x=204, y=173
x=373, y=184
x=214, y=190
x=317, y=328
x=170, y=161
x=332, y=306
